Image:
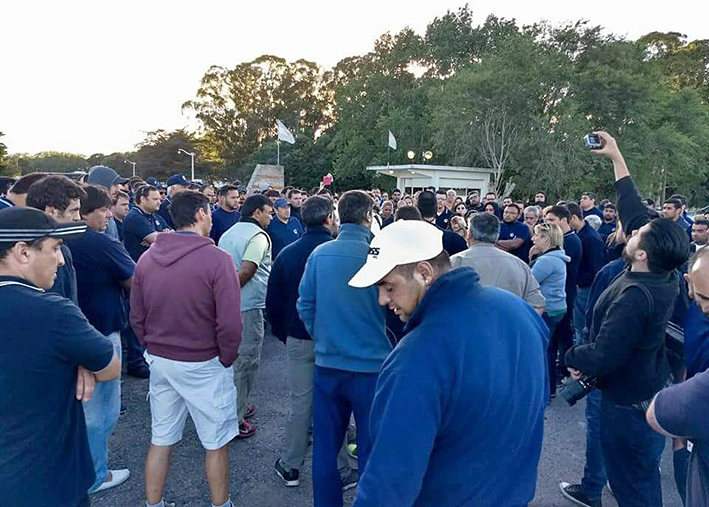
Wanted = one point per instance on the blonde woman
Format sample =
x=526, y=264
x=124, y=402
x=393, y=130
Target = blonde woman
x=549, y=268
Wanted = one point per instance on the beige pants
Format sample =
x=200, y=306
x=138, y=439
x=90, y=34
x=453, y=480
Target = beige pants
x=246, y=365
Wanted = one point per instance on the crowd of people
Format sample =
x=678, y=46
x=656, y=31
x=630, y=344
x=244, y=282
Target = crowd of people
x=425, y=335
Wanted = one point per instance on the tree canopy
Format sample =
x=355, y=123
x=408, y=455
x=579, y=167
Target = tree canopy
x=514, y=98
x=517, y=99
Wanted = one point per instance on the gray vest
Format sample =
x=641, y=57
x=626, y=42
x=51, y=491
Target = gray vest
x=234, y=242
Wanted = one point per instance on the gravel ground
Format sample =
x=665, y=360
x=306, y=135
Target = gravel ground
x=253, y=480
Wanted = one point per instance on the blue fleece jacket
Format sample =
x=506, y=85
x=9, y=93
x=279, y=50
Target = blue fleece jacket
x=572, y=248
x=460, y=402
x=550, y=271
x=283, y=282
x=347, y=324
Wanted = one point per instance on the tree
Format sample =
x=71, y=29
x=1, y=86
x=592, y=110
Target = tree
x=373, y=94
x=498, y=139
x=157, y=155
x=51, y=162
x=4, y=164
x=238, y=107
x=686, y=64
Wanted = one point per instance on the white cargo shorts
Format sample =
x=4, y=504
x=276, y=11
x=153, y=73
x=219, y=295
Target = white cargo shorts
x=203, y=389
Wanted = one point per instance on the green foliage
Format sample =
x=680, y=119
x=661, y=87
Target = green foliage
x=238, y=107
x=4, y=163
x=157, y=156
x=514, y=98
x=50, y=162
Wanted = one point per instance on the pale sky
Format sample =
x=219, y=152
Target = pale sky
x=93, y=76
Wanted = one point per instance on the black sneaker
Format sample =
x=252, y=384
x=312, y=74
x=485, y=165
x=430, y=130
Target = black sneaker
x=350, y=481
x=290, y=477
x=574, y=493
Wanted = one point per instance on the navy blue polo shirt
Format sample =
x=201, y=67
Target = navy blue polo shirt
x=44, y=450
x=119, y=228
x=136, y=227
x=5, y=202
x=443, y=219
x=222, y=222
x=101, y=262
x=282, y=234
x=164, y=212
x=65, y=283
x=517, y=230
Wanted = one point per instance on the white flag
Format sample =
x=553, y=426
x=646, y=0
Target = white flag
x=284, y=134
x=392, y=141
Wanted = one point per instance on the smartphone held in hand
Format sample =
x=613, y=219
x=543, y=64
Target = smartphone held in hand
x=593, y=141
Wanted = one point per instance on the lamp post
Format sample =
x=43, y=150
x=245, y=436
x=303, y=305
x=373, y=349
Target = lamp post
x=131, y=163
x=192, y=157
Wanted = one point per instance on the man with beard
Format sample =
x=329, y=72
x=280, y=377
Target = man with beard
x=540, y=199
x=515, y=236
x=700, y=234
x=477, y=437
x=681, y=410
x=626, y=350
x=295, y=199
x=609, y=221
x=249, y=245
x=226, y=213
x=473, y=201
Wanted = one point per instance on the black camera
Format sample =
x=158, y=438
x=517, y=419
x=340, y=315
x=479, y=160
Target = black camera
x=574, y=391
x=593, y=141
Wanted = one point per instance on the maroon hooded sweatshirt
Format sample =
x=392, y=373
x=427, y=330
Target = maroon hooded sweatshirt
x=186, y=299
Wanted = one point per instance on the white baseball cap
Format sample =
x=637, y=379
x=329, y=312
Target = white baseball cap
x=403, y=242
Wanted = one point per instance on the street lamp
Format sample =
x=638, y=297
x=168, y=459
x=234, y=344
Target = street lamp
x=192, y=157
x=425, y=156
x=132, y=163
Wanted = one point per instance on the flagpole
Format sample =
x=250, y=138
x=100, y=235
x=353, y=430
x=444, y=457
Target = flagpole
x=278, y=159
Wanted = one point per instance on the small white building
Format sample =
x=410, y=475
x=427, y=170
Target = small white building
x=413, y=177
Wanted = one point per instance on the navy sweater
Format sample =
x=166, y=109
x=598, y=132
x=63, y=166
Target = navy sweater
x=469, y=392
x=286, y=272
x=592, y=257
x=572, y=248
x=221, y=222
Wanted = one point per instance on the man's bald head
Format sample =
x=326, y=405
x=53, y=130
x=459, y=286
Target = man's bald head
x=698, y=279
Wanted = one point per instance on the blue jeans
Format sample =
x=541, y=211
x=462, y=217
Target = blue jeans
x=336, y=395
x=594, y=471
x=552, y=349
x=632, y=452
x=580, y=306
x=101, y=414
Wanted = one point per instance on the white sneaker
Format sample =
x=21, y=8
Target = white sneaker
x=118, y=477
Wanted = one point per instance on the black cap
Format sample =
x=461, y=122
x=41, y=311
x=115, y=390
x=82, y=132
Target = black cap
x=29, y=224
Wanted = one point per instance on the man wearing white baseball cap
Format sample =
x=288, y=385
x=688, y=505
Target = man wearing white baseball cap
x=460, y=401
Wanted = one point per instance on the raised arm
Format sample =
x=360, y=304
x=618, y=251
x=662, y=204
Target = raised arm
x=631, y=211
